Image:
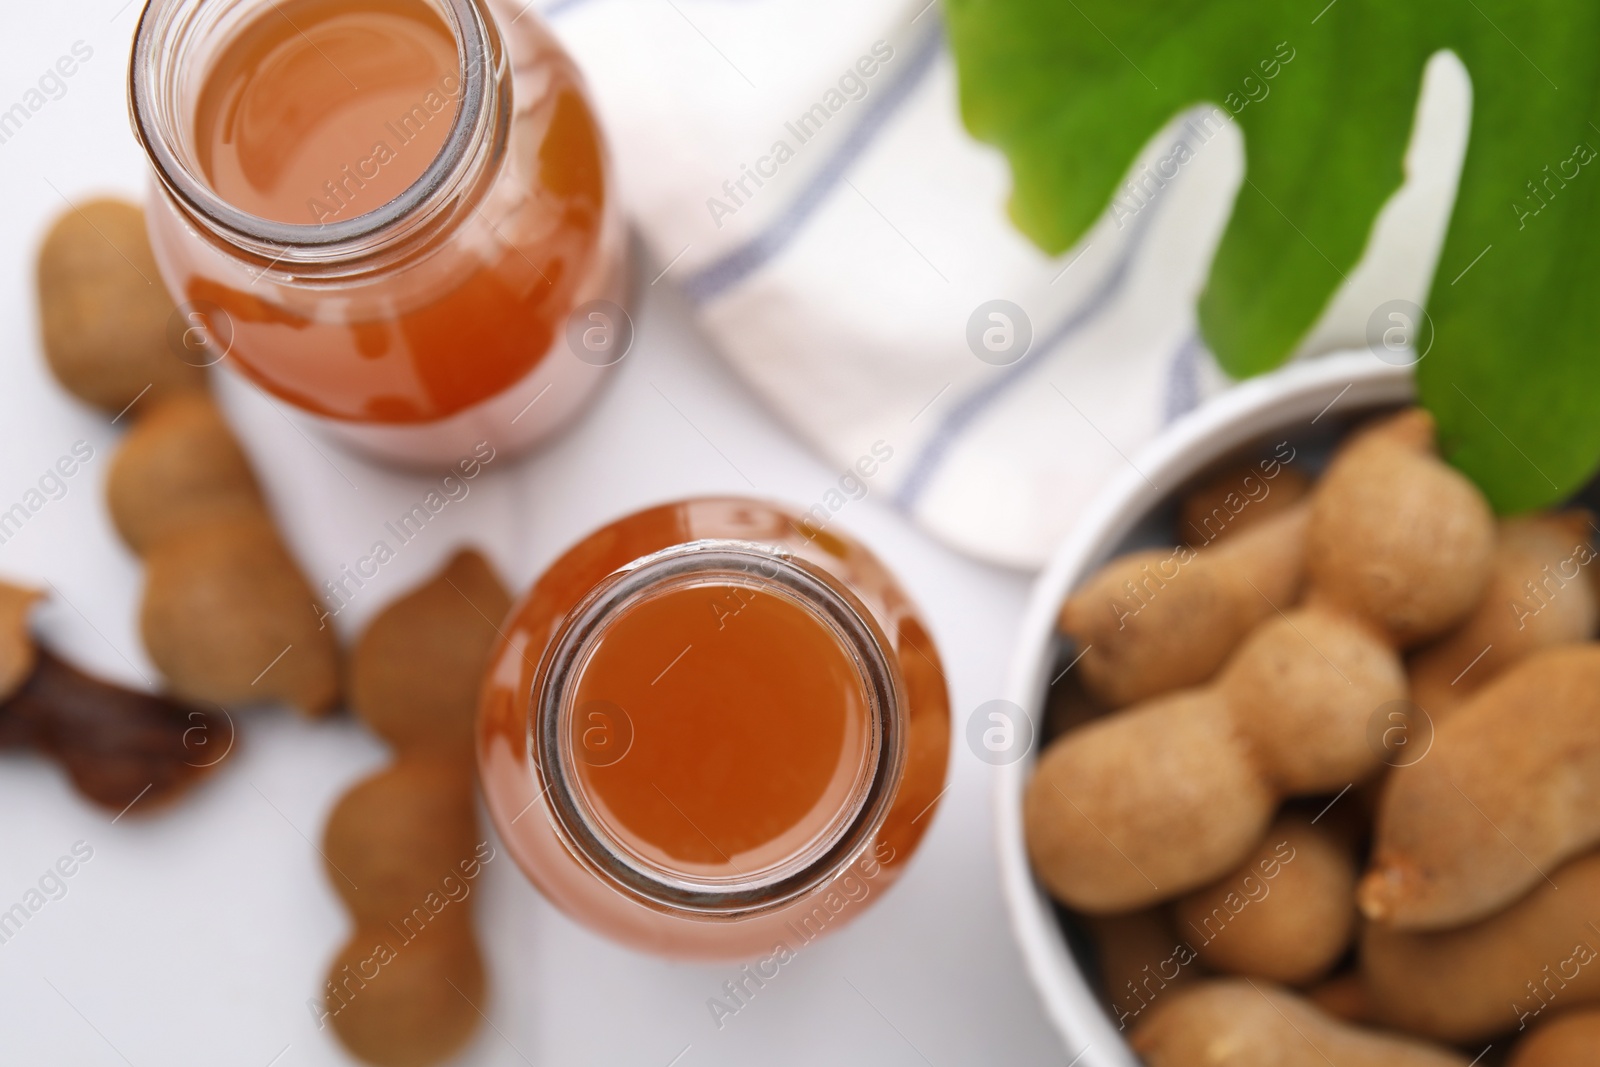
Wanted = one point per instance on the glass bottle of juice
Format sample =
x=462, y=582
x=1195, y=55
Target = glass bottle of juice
x=394, y=215
x=710, y=731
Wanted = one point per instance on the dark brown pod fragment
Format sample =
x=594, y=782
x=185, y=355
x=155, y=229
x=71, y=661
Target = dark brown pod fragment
x=117, y=745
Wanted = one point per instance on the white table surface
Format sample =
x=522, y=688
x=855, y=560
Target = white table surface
x=196, y=936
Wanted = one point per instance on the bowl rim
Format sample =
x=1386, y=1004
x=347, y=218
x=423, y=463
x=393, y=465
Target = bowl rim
x=1305, y=390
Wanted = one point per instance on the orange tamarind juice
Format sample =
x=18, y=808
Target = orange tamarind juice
x=709, y=730
x=382, y=212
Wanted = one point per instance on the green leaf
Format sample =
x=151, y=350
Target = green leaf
x=1325, y=96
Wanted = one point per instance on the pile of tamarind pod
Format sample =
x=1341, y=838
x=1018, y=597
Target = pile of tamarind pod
x=403, y=845
x=117, y=745
x=1210, y=827
x=226, y=615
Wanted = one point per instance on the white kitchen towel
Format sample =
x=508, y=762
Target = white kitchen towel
x=800, y=170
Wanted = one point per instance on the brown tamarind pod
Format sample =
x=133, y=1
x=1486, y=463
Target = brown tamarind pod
x=1137, y=956
x=1537, y=598
x=1108, y=786
x=1567, y=1041
x=415, y=673
x=1507, y=972
x=1241, y=1023
x=180, y=464
x=1286, y=914
x=402, y=846
x=1161, y=799
x=1153, y=621
x=1397, y=538
x=1239, y=498
x=228, y=618
x=1344, y=996
x=104, y=312
x=392, y=837
x=1507, y=790
x=400, y=1003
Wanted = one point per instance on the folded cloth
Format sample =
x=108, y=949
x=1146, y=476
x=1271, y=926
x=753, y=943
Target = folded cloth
x=800, y=168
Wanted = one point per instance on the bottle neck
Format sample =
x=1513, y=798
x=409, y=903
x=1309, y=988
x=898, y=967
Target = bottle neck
x=558, y=734
x=175, y=46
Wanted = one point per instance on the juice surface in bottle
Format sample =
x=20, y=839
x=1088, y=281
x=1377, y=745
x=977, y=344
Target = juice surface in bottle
x=307, y=125
x=737, y=751
x=380, y=225
x=710, y=730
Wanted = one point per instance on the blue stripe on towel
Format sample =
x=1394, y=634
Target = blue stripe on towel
x=1183, y=379
x=734, y=266
x=974, y=404
x=559, y=7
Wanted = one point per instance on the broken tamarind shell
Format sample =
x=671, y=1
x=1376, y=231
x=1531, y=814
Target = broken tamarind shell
x=18, y=653
x=118, y=745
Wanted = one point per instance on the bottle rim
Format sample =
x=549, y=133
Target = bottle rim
x=170, y=31
x=837, y=845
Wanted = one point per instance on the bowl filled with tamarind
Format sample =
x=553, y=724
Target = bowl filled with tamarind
x=1305, y=765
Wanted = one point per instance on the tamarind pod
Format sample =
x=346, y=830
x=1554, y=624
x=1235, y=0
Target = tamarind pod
x=1241, y=1023
x=1155, y=621
x=1510, y=788
x=1144, y=804
x=394, y=835
x=415, y=672
x=1539, y=956
x=1566, y=1041
x=228, y=618
x=1286, y=914
x=1136, y=956
x=407, y=1003
x=180, y=464
x=103, y=311
x=1536, y=598
x=1238, y=499
x=1397, y=537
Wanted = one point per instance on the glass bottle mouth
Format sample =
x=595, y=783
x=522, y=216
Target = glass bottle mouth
x=174, y=45
x=830, y=848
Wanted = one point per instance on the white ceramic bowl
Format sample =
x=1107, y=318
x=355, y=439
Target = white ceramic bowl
x=1300, y=402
